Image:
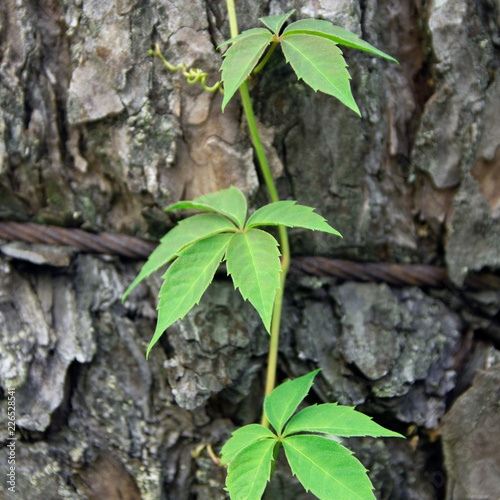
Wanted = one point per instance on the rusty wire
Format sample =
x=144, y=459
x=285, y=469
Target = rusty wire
x=136, y=248
x=393, y=274
x=115, y=244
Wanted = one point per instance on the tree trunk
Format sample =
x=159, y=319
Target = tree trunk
x=97, y=135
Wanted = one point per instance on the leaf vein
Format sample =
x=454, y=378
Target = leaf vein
x=309, y=60
x=323, y=470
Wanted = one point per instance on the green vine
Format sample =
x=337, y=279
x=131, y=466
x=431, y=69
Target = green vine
x=199, y=244
x=272, y=360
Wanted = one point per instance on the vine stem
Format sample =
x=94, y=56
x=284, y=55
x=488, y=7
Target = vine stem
x=266, y=58
x=272, y=361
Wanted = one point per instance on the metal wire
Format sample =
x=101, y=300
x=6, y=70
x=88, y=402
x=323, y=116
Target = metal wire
x=115, y=244
x=393, y=274
x=136, y=248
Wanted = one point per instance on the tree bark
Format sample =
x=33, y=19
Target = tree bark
x=95, y=134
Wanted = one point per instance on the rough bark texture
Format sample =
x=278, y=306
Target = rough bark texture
x=95, y=134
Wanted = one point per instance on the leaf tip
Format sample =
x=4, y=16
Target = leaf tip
x=225, y=101
x=388, y=57
x=354, y=107
x=154, y=340
x=129, y=289
x=395, y=434
x=266, y=322
x=171, y=208
x=314, y=373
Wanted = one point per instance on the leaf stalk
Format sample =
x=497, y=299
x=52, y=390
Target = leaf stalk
x=266, y=57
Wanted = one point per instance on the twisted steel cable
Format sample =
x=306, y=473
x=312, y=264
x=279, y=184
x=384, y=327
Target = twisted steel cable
x=115, y=244
x=136, y=248
x=393, y=274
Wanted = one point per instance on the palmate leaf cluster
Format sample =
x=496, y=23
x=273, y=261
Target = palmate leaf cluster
x=198, y=244
x=323, y=465
x=309, y=45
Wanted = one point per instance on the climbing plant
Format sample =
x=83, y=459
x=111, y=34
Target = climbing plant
x=258, y=265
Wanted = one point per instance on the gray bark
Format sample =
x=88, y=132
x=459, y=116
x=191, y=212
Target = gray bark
x=95, y=134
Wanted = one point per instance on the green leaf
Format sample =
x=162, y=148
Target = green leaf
x=253, y=262
x=337, y=34
x=287, y=213
x=187, y=279
x=243, y=437
x=320, y=63
x=327, y=469
x=239, y=61
x=249, y=472
x=186, y=232
x=229, y=202
x=245, y=34
x=275, y=23
x=336, y=420
x=284, y=400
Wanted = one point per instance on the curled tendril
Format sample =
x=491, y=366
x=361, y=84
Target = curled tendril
x=192, y=75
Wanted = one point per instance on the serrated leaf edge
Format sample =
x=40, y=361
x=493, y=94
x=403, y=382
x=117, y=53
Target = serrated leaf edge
x=268, y=400
x=312, y=430
x=248, y=68
x=287, y=441
x=267, y=320
x=262, y=463
x=245, y=34
x=346, y=97
x=157, y=334
x=249, y=224
x=136, y=281
x=357, y=44
x=270, y=435
x=283, y=17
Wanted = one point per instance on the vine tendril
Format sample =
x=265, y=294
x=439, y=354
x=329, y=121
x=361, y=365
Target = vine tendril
x=192, y=75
